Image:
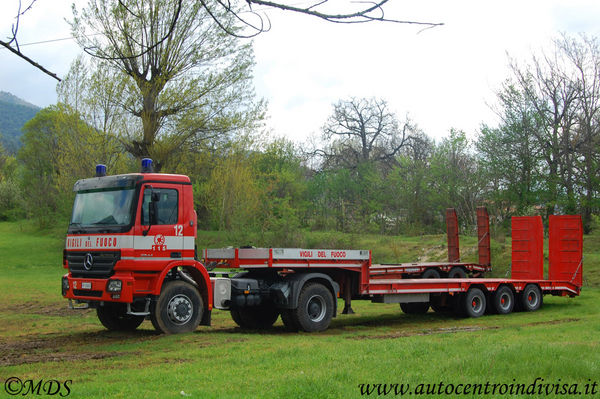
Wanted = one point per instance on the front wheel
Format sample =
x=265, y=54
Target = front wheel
x=315, y=308
x=179, y=308
x=114, y=317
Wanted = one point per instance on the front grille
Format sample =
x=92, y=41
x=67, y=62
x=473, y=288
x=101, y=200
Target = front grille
x=102, y=265
x=95, y=294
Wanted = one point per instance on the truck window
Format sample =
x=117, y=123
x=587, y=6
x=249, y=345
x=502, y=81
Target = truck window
x=167, y=206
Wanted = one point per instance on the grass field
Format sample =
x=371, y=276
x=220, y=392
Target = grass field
x=40, y=339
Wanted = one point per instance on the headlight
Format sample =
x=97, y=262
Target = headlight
x=65, y=285
x=114, y=286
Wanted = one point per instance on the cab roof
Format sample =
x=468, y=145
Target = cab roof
x=129, y=180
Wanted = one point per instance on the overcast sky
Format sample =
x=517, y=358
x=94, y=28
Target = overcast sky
x=443, y=77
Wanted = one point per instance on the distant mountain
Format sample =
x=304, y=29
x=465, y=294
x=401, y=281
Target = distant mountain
x=14, y=113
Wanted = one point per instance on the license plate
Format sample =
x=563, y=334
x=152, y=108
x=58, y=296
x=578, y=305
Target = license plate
x=86, y=285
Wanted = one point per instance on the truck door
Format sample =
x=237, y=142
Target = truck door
x=162, y=241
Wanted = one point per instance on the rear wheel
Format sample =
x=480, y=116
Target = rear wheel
x=457, y=272
x=415, y=307
x=179, y=308
x=287, y=318
x=256, y=318
x=503, y=300
x=441, y=303
x=458, y=304
x=114, y=317
x=474, y=303
x=430, y=273
x=531, y=298
x=315, y=308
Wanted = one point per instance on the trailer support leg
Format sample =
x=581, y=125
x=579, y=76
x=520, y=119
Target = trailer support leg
x=347, y=308
x=347, y=296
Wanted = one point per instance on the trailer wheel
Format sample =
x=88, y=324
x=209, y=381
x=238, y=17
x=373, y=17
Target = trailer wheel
x=179, y=308
x=113, y=316
x=255, y=318
x=531, y=298
x=415, y=307
x=503, y=300
x=440, y=303
x=287, y=318
x=430, y=273
x=458, y=304
x=474, y=303
x=315, y=308
x=457, y=272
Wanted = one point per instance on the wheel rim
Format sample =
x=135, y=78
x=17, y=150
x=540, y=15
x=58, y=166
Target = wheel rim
x=505, y=301
x=532, y=298
x=476, y=304
x=316, y=308
x=180, y=309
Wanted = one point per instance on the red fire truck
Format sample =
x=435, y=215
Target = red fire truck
x=130, y=254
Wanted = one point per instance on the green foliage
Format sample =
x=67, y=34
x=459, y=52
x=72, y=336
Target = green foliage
x=14, y=113
x=10, y=193
x=58, y=149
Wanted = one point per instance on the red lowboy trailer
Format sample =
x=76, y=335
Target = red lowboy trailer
x=130, y=254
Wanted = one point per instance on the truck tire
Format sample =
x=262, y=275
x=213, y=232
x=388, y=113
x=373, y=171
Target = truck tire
x=474, y=302
x=441, y=303
x=457, y=272
x=255, y=318
x=531, y=298
x=415, y=307
x=179, y=308
x=430, y=273
x=458, y=304
x=503, y=300
x=315, y=308
x=287, y=318
x=113, y=316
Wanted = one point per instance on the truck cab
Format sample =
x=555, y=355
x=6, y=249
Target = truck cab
x=131, y=238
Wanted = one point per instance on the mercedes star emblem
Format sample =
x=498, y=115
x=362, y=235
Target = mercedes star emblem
x=88, y=262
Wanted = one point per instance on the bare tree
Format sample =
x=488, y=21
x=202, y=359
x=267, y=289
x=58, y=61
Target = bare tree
x=362, y=130
x=553, y=94
x=584, y=54
x=184, y=77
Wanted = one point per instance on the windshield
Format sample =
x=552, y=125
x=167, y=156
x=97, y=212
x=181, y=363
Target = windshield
x=106, y=207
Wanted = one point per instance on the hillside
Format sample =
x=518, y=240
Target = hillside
x=14, y=113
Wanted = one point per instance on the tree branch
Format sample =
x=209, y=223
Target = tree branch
x=29, y=60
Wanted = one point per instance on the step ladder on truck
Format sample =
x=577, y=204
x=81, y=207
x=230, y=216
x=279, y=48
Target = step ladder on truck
x=130, y=254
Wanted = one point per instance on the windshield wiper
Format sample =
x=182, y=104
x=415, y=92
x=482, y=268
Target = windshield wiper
x=110, y=219
x=76, y=224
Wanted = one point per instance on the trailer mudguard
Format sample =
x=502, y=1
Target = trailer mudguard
x=285, y=293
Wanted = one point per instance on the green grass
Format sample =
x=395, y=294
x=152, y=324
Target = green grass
x=41, y=339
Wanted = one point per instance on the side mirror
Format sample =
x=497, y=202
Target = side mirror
x=153, y=211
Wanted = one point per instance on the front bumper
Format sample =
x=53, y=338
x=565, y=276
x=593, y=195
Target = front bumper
x=95, y=289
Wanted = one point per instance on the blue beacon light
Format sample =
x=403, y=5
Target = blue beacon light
x=147, y=165
x=100, y=170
